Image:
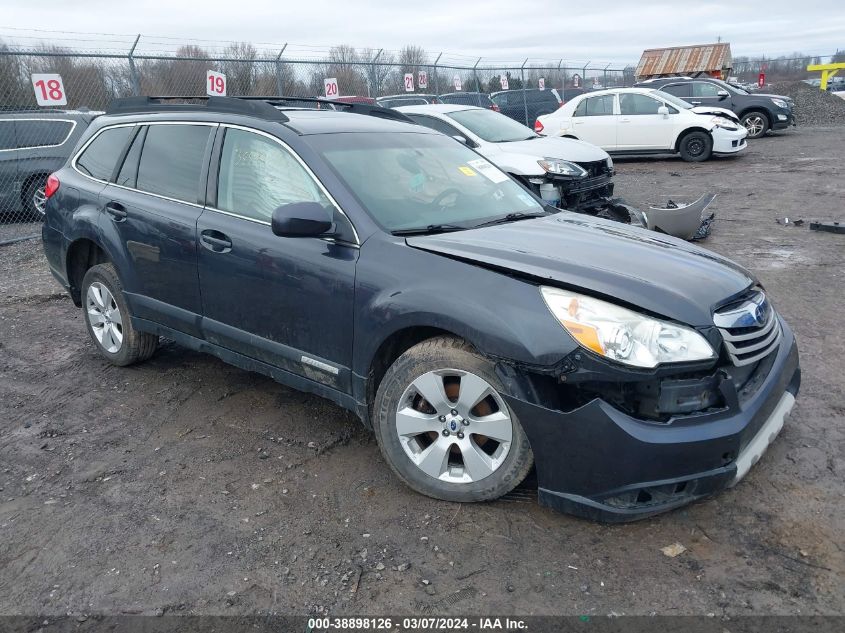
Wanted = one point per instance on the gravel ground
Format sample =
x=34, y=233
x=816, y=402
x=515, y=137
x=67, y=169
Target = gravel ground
x=184, y=485
x=812, y=106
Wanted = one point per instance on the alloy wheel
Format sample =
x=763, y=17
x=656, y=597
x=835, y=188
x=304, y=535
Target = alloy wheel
x=39, y=200
x=454, y=426
x=754, y=124
x=104, y=317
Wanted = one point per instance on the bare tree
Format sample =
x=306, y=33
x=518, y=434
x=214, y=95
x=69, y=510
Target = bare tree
x=240, y=68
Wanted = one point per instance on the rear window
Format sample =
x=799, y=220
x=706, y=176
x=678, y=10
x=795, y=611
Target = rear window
x=172, y=159
x=99, y=158
x=42, y=133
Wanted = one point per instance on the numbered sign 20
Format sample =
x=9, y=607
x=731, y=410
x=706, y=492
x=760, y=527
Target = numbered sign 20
x=330, y=86
x=49, y=90
x=409, y=82
x=541, y=83
x=215, y=84
x=503, y=79
x=457, y=83
x=422, y=79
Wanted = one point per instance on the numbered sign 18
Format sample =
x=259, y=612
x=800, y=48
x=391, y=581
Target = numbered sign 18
x=409, y=82
x=215, y=84
x=457, y=83
x=49, y=90
x=330, y=86
x=503, y=79
x=541, y=83
x=422, y=79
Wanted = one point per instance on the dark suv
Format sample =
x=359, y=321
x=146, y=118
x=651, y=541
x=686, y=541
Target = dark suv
x=32, y=145
x=394, y=271
x=526, y=105
x=758, y=112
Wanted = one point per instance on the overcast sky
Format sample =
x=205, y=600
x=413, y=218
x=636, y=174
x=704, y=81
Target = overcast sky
x=605, y=30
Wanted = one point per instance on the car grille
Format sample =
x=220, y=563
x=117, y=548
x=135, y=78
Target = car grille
x=750, y=329
x=595, y=168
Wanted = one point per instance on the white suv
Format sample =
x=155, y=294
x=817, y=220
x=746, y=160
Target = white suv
x=642, y=120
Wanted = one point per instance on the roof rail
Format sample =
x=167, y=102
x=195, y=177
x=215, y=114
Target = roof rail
x=229, y=105
x=356, y=108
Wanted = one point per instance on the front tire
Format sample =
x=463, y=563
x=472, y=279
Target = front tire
x=696, y=146
x=108, y=320
x=756, y=122
x=444, y=428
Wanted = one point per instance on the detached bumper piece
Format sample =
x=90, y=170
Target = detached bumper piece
x=689, y=221
x=604, y=463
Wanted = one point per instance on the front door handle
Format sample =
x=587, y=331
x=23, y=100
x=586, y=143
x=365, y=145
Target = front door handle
x=695, y=102
x=215, y=241
x=116, y=210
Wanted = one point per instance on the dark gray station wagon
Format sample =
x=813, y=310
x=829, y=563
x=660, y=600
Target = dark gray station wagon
x=394, y=271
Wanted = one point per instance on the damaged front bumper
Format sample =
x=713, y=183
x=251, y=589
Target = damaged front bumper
x=604, y=463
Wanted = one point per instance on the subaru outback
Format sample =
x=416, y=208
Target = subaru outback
x=394, y=271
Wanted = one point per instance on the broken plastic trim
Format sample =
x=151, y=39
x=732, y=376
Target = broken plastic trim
x=682, y=221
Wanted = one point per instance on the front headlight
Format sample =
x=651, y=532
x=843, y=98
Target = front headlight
x=780, y=103
x=723, y=122
x=562, y=167
x=624, y=335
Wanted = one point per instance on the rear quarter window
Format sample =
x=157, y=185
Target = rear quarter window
x=99, y=159
x=42, y=133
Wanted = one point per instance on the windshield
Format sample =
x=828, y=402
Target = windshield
x=492, y=126
x=412, y=181
x=678, y=103
x=738, y=88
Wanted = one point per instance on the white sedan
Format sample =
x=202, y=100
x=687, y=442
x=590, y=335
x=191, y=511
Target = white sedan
x=564, y=172
x=646, y=121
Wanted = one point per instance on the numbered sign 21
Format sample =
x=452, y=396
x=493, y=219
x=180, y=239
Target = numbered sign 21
x=215, y=84
x=409, y=82
x=503, y=79
x=457, y=83
x=541, y=83
x=422, y=79
x=330, y=86
x=49, y=90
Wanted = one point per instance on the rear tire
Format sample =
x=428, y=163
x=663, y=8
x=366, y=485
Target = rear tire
x=440, y=448
x=756, y=122
x=34, y=200
x=696, y=146
x=108, y=320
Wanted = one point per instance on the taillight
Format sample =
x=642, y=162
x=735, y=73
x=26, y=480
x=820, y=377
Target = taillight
x=52, y=186
x=494, y=107
x=538, y=127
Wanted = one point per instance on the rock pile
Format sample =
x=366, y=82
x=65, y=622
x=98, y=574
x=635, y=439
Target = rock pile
x=812, y=106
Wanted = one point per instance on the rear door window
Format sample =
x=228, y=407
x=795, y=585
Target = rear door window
x=7, y=135
x=679, y=90
x=172, y=161
x=595, y=106
x=42, y=133
x=100, y=157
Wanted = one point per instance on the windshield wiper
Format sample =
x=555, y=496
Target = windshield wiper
x=431, y=228
x=511, y=217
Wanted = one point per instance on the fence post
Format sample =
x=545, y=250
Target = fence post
x=374, y=75
x=605, y=76
x=436, y=82
x=524, y=98
x=475, y=74
x=133, y=72
x=560, y=78
x=584, y=75
x=280, y=84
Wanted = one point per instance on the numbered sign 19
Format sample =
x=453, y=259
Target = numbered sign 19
x=457, y=83
x=215, y=84
x=422, y=79
x=330, y=86
x=49, y=90
x=541, y=83
x=503, y=79
x=409, y=82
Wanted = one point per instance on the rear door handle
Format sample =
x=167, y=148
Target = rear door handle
x=215, y=241
x=117, y=211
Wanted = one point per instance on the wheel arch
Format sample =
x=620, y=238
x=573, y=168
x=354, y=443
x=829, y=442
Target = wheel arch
x=82, y=254
x=689, y=130
x=759, y=109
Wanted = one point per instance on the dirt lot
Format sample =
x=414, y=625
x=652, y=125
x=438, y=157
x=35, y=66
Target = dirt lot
x=185, y=485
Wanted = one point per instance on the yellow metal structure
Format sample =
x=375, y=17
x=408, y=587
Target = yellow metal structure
x=827, y=71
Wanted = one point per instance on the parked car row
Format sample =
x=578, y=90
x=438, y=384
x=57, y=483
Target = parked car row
x=397, y=272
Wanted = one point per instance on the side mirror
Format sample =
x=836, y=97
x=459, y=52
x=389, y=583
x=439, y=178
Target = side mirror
x=663, y=110
x=301, y=219
x=723, y=93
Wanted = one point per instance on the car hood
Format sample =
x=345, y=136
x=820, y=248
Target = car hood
x=555, y=147
x=656, y=273
x=712, y=110
x=764, y=94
